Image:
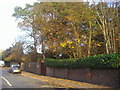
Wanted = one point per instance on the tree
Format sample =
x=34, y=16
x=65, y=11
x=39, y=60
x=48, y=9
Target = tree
x=1, y=54
x=107, y=18
x=14, y=53
x=61, y=26
x=71, y=30
x=26, y=23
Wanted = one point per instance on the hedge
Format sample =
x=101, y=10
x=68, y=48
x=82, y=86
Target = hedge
x=103, y=61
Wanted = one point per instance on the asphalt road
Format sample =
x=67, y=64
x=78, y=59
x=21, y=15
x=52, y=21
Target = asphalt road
x=9, y=80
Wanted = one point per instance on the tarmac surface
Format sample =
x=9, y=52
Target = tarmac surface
x=18, y=81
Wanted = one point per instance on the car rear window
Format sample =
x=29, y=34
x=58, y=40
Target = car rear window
x=15, y=66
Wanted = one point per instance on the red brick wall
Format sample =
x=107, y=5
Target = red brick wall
x=50, y=71
x=79, y=74
x=34, y=67
x=108, y=77
x=38, y=68
x=62, y=72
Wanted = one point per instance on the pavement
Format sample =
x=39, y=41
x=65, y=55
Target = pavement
x=63, y=82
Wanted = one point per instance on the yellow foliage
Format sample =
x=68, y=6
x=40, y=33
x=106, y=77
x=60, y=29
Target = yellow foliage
x=72, y=47
x=82, y=36
x=54, y=50
x=8, y=58
x=66, y=43
x=44, y=28
x=85, y=42
x=78, y=41
x=50, y=33
x=69, y=18
x=63, y=44
x=99, y=45
x=23, y=59
x=70, y=42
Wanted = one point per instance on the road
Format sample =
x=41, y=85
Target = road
x=9, y=80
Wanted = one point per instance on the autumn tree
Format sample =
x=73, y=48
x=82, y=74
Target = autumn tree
x=26, y=17
x=108, y=21
x=61, y=26
x=14, y=53
x=70, y=29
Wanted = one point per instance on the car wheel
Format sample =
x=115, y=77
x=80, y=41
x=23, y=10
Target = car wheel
x=9, y=71
x=19, y=72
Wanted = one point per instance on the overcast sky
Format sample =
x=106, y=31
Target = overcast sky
x=8, y=26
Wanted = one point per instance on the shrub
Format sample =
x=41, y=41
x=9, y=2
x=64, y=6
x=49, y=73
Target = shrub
x=103, y=61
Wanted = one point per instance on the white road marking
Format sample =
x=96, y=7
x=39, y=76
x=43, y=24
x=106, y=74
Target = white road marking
x=7, y=81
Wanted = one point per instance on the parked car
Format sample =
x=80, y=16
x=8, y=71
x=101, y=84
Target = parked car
x=15, y=69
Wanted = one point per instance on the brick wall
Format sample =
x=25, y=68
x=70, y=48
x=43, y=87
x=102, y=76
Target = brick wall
x=108, y=77
x=62, y=73
x=34, y=67
x=79, y=74
x=50, y=71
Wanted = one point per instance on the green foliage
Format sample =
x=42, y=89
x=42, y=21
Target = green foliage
x=102, y=61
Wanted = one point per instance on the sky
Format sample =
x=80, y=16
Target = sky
x=8, y=26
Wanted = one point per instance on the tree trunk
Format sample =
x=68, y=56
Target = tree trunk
x=43, y=48
x=90, y=37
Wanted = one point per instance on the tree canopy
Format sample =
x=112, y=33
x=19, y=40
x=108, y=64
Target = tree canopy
x=71, y=29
